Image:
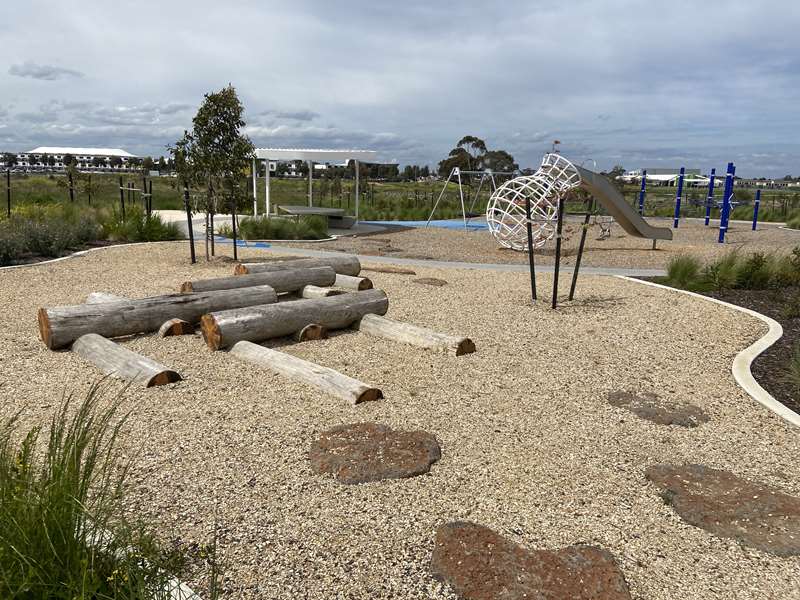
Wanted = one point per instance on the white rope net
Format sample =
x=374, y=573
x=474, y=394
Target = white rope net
x=505, y=213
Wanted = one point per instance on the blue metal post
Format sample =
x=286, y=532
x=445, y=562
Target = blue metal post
x=726, y=203
x=642, y=192
x=678, y=195
x=710, y=198
x=755, y=209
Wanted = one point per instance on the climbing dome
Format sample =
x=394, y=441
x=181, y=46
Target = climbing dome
x=505, y=213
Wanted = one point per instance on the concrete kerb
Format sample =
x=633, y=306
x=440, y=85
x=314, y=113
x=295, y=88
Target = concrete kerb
x=744, y=359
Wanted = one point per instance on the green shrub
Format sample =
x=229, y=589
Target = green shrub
x=279, y=228
x=794, y=220
x=12, y=244
x=138, y=227
x=754, y=272
x=721, y=274
x=683, y=271
x=63, y=533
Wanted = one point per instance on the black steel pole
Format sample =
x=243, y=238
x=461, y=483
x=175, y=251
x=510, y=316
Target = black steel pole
x=145, y=199
x=122, y=198
x=531, y=264
x=71, y=190
x=233, y=224
x=189, y=221
x=8, y=191
x=559, y=228
x=89, y=188
x=580, y=256
x=150, y=198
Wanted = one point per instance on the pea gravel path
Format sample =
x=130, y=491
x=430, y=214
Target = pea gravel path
x=530, y=445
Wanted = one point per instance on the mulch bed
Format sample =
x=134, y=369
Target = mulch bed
x=771, y=369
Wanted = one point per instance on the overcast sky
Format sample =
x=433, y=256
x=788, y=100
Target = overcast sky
x=633, y=83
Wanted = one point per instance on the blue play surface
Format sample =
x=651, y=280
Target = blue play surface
x=240, y=243
x=443, y=223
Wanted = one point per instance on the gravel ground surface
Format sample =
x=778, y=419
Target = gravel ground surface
x=530, y=445
x=620, y=250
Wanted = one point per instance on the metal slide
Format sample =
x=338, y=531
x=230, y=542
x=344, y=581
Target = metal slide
x=624, y=214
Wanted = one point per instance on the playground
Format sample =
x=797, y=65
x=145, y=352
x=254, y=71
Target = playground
x=531, y=445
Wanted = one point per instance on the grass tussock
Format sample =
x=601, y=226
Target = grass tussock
x=63, y=534
x=278, y=228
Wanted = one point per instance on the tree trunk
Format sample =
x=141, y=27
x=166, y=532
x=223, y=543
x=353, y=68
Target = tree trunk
x=280, y=281
x=112, y=359
x=349, y=282
x=345, y=265
x=312, y=291
x=328, y=380
x=414, y=335
x=62, y=325
x=256, y=323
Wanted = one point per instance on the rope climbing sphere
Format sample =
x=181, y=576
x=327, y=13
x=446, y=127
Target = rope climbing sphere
x=505, y=213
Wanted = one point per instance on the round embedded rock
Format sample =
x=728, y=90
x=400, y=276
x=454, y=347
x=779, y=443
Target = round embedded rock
x=650, y=407
x=430, y=281
x=365, y=452
x=480, y=564
x=729, y=506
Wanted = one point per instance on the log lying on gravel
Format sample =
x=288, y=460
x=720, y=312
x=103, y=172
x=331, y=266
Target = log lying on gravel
x=101, y=297
x=313, y=291
x=414, y=335
x=314, y=331
x=62, y=325
x=257, y=323
x=389, y=269
x=328, y=380
x=287, y=280
x=175, y=327
x=112, y=359
x=344, y=265
x=349, y=282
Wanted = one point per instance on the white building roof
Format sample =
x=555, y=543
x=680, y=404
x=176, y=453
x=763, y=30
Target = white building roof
x=316, y=154
x=82, y=151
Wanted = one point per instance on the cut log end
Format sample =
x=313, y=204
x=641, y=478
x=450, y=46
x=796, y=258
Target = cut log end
x=369, y=395
x=365, y=284
x=241, y=269
x=211, y=332
x=45, y=332
x=312, y=332
x=164, y=378
x=465, y=346
x=175, y=327
x=186, y=287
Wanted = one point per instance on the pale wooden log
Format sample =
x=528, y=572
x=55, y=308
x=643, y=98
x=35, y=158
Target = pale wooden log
x=112, y=359
x=62, y=325
x=313, y=331
x=175, y=327
x=345, y=265
x=313, y=291
x=101, y=297
x=257, y=323
x=288, y=280
x=389, y=269
x=328, y=380
x=414, y=335
x=349, y=282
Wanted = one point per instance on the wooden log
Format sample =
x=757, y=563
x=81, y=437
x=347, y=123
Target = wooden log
x=101, y=297
x=414, y=335
x=288, y=280
x=313, y=331
x=345, y=265
x=389, y=269
x=313, y=291
x=175, y=327
x=62, y=325
x=328, y=380
x=349, y=282
x=112, y=359
x=257, y=323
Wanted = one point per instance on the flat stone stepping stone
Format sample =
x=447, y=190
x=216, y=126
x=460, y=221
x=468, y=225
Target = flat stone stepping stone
x=371, y=452
x=480, y=564
x=430, y=281
x=650, y=407
x=729, y=506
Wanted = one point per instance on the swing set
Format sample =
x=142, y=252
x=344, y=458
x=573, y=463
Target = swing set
x=486, y=177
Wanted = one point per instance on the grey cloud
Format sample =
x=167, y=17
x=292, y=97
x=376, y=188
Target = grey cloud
x=42, y=72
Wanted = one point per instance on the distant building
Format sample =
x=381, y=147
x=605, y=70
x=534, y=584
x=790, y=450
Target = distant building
x=51, y=158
